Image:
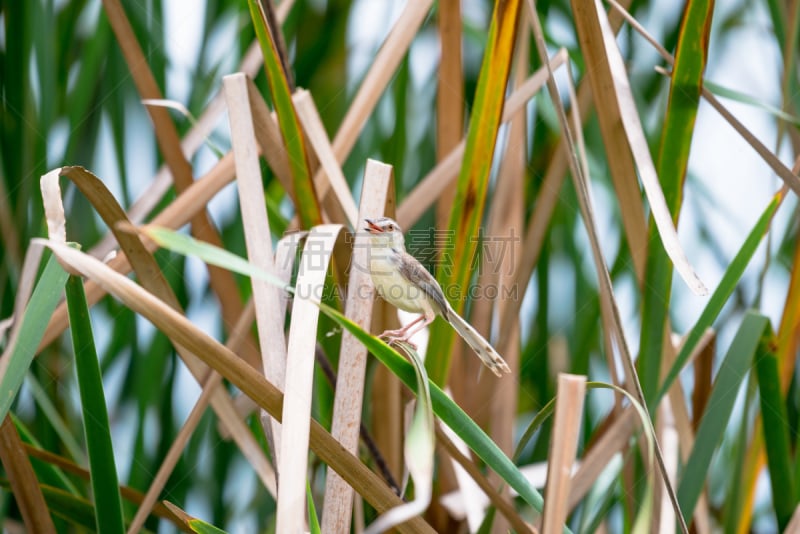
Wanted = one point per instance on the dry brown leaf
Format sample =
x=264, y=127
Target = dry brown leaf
x=23, y=481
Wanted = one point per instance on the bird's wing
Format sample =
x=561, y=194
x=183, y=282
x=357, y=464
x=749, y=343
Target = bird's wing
x=412, y=270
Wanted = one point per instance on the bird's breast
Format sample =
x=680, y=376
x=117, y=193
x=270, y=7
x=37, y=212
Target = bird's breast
x=395, y=289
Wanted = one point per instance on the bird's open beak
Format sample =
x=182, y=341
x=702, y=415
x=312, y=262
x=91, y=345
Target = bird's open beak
x=372, y=227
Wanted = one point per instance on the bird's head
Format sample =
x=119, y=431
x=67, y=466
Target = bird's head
x=385, y=232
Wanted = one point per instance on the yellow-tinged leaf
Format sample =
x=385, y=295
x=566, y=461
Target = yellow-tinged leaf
x=473, y=180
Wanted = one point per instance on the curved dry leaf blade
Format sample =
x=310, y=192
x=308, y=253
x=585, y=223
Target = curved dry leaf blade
x=178, y=213
x=641, y=153
x=171, y=104
x=184, y=111
x=617, y=148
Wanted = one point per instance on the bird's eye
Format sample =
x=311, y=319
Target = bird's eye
x=391, y=227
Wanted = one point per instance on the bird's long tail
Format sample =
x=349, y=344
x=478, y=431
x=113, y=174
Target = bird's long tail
x=482, y=348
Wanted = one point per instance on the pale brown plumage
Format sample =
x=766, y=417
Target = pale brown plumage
x=404, y=282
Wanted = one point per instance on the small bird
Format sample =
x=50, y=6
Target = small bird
x=403, y=282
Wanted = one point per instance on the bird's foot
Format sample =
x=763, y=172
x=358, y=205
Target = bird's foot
x=394, y=337
x=399, y=333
